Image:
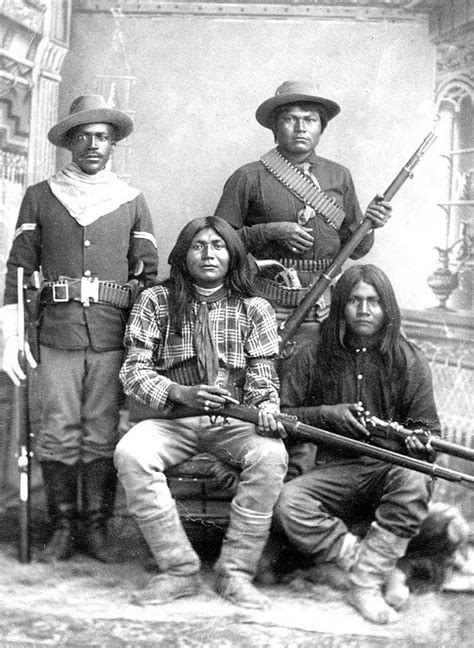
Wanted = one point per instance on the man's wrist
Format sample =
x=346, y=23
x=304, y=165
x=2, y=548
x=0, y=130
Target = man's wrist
x=174, y=392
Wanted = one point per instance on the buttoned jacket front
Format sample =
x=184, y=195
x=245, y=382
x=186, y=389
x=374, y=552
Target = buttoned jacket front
x=48, y=238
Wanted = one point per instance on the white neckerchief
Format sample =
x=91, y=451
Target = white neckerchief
x=206, y=292
x=88, y=197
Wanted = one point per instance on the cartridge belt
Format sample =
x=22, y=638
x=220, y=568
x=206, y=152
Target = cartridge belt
x=308, y=271
x=280, y=295
x=310, y=265
x=85, y=290
x=303, y=188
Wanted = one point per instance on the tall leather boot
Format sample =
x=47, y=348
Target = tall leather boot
x=379, y=553
x=99, y=482
x=240, y=554
x=176, y=559
x=60, y=483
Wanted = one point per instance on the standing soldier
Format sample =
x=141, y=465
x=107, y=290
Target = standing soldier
x=90, y=233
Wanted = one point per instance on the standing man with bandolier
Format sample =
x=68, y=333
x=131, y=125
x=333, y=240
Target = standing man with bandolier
x=91, y=235
x=294, y=206
x=297, y=209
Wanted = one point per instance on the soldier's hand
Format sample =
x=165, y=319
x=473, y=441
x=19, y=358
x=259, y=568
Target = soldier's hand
x=10, y=363
x=379, y=211
x=296, y=238
x=344, y=419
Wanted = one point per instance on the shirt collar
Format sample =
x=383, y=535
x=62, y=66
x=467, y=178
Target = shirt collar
x=311, y=158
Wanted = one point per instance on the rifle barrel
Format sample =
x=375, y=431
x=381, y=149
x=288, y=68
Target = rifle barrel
x=452, y=449
x=318, y=435
x=21, y=432
x=297, y=317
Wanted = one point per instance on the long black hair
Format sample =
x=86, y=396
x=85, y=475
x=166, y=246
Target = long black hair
x=237, y=281
x=332, y=348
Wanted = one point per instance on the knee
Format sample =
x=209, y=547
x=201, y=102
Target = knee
x=403, y=509
x=287, y=503
x=270, y=458
x=129, y=454
x=121, y=455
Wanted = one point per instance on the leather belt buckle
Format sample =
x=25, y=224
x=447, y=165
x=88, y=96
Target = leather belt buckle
x=89, y=290
x=60, y=291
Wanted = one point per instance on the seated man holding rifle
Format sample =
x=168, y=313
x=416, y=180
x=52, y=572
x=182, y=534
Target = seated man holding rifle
x=362, y=365
x=193, y=343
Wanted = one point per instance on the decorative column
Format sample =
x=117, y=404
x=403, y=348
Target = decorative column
x=44, y=109
x=34, y=39
x=446, y=332
x=48, y=61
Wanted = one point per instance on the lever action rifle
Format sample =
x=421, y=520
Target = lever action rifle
x=288, y=328
x=392, y=430
x=305, y=432
x=21, y=430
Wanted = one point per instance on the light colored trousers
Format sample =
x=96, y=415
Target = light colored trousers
x=153, y=446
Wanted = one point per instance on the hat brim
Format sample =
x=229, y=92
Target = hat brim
x=265, y=110
x=123, y=124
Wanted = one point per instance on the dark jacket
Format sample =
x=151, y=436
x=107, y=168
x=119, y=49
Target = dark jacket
x=48, y=238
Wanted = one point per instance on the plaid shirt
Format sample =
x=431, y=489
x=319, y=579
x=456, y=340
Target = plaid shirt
x=244, y=330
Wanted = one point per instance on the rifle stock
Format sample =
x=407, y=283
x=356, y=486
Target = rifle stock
x=288, y=328
x=305, y=432
x=22, y=433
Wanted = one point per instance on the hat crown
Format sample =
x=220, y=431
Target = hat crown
x=87, y=102
x=297, y=87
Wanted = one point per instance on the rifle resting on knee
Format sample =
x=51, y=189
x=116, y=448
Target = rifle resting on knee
x=297, y=429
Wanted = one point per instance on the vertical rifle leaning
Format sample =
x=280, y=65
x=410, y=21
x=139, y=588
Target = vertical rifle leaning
x=21, y=431
x=289, y=327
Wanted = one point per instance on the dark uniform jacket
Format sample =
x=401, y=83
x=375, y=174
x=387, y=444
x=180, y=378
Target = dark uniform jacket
x=48, y=237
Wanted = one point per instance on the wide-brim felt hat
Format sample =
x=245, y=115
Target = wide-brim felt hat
x=290, y=92
x=91, y=109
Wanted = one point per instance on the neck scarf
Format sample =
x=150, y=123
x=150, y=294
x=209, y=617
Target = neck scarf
x=206, y=348
x=88, y=197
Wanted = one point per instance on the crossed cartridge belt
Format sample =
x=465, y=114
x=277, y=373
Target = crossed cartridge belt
x=85, y=290
x=301, y=273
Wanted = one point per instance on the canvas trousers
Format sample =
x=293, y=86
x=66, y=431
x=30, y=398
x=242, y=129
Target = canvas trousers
x=314, y=510
x=153, y=446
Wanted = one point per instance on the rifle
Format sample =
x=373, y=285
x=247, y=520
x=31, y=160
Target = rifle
x=21, y=431
x=288, y=328
x=391, y=429
x=32, y=309
x=305, y=432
